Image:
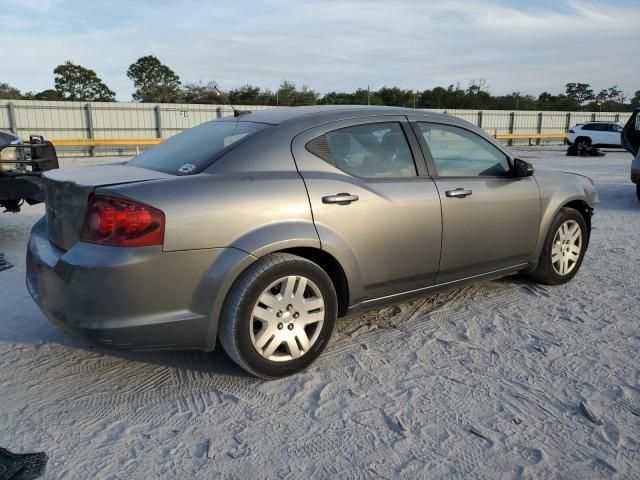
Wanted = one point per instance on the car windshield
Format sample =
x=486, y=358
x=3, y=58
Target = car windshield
x=195, y=149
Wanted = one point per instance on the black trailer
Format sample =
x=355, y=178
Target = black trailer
x=21, y=165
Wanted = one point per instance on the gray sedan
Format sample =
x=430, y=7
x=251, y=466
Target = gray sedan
x=260, y=230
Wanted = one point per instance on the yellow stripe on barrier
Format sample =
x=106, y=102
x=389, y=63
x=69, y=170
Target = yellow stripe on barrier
x=513, y=136
x=99, y=142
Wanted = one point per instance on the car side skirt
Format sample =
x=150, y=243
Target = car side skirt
x=403, y=296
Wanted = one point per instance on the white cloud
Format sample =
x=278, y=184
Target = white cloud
x=37, y=5
x=337, y=45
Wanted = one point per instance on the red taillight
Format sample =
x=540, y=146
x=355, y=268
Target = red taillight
x=122, y=223
x=571, y=131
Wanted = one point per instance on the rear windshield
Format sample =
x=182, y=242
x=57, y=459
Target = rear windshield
x=193, y=150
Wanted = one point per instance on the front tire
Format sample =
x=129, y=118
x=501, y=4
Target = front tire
x=279, y=316
x=563, y=249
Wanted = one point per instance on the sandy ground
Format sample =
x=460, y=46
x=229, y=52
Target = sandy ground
x=479, y=382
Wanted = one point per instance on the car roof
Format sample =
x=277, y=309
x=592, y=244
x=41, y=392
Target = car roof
x=324, y=113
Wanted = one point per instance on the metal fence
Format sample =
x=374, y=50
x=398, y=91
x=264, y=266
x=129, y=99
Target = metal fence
x=119, y=120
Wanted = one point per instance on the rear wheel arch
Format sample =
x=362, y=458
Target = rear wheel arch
x=332, y=267
x=249, y=346
x=583, y=138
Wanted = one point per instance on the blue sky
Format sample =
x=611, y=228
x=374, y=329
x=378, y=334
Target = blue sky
x=526, y=46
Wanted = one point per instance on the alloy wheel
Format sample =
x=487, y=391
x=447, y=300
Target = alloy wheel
x=287, y=319
x=567, y=246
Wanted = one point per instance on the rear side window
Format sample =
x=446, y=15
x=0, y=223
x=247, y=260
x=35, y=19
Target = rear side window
x=367, y=151
x=599, y=127
x=195, y=149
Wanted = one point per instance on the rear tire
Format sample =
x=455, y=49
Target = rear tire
x=563, y=249
x=278, y=316
x=638, y=191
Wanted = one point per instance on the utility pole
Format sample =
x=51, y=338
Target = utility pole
x=368, y=95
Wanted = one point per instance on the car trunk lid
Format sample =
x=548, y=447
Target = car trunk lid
x=67, y=191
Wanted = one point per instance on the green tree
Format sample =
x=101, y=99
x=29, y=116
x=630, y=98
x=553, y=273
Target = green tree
x=398, y=97
x=610, y=99
x=74, y=82
x=514, y=101
x=477, y=95
x=580, y=92
x=154, y=81
x=289, y=95
x=200, y=93
x=251, y=95
x=360, y=97
x=635, y=101
x=8, y=92
x=49, y=94
x=548, y=101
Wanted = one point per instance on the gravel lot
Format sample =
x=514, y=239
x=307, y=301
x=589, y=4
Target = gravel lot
x=482, y=382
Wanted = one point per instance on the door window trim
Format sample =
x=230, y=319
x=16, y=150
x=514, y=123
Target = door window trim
x=429, y=158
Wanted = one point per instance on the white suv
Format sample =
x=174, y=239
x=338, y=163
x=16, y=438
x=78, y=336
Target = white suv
x=596, y=134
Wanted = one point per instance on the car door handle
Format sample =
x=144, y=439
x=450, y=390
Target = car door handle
x=458, y=193
x=340, y=198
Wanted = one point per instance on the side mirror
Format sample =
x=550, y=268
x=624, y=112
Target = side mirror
x=522, y=168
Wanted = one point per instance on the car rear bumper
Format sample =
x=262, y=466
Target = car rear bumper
x=122, y=298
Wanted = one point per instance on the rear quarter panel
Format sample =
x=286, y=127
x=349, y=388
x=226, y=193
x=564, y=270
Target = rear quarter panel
x=252, y=199
x=252, y=204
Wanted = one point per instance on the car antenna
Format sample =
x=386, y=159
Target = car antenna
x=236, y=113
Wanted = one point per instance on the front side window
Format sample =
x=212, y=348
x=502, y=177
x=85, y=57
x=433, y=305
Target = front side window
x=194, y=149
x=457, y=152
x=367, y=151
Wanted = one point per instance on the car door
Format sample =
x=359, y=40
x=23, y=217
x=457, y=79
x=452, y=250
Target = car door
x=630, y=135
x=374, y=206
x=600, y=134
x=591, y=130
x=490, y=219
x=613, y=131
